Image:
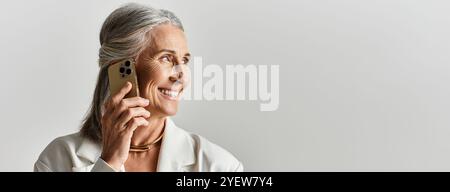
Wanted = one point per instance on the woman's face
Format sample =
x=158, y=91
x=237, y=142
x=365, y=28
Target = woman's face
x=162, y=70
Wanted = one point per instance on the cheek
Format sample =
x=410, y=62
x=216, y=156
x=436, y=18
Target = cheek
x=149, y=78
x=150, y=73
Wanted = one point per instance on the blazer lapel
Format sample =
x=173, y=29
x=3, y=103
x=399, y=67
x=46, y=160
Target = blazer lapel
x=177, y=150
x=88, y=151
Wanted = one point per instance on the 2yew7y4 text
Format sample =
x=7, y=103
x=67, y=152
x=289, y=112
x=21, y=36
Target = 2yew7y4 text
x=224, y=182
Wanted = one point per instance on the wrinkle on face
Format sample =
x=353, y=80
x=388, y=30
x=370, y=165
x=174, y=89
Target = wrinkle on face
x=156, y=71
x=149, y=65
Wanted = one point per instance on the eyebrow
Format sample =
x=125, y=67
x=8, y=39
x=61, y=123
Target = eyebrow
x=172, y=51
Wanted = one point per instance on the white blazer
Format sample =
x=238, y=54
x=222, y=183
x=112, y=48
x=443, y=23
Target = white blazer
x=180, y=151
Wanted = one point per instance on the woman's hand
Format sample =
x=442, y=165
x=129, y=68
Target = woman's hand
x=121, y=118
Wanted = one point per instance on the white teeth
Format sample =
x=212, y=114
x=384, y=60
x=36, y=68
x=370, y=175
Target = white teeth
x=169, y=93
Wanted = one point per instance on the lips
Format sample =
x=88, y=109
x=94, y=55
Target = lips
x=173, y=94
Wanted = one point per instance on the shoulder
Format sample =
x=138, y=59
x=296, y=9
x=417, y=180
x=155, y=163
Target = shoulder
x=212, y=156
x=59, y=153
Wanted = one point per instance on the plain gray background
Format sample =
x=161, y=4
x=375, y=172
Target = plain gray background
x=364, y=85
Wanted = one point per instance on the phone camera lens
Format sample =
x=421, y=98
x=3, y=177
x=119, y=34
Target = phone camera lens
x=127, y=63
x=128, y=71
x=122, y=70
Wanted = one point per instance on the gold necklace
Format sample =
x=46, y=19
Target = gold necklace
x=145, y=147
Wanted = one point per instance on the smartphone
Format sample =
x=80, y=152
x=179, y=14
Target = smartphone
x=119, y=74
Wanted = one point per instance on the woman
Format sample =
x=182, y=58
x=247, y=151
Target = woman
x=115, y=125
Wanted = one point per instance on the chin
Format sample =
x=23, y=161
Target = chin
x=168, y=104
x=169, y=111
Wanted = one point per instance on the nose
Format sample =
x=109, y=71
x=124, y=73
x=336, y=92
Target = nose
x=176, y=77
x=177, y=74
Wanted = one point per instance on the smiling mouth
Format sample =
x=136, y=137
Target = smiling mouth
x=171, y=94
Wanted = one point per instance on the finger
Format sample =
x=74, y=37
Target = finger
x=130, y=113
x=127, y=103
x=134, y=123
x=115, y=99
x=107, y=109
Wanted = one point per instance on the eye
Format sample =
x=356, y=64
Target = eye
x=165, y=59
x=185, y=60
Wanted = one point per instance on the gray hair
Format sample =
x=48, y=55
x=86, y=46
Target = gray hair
x=124, y=35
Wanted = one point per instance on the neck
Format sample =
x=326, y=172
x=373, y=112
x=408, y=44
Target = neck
x=146, y=134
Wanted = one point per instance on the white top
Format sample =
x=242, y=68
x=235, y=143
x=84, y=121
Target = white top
x=180, y=151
